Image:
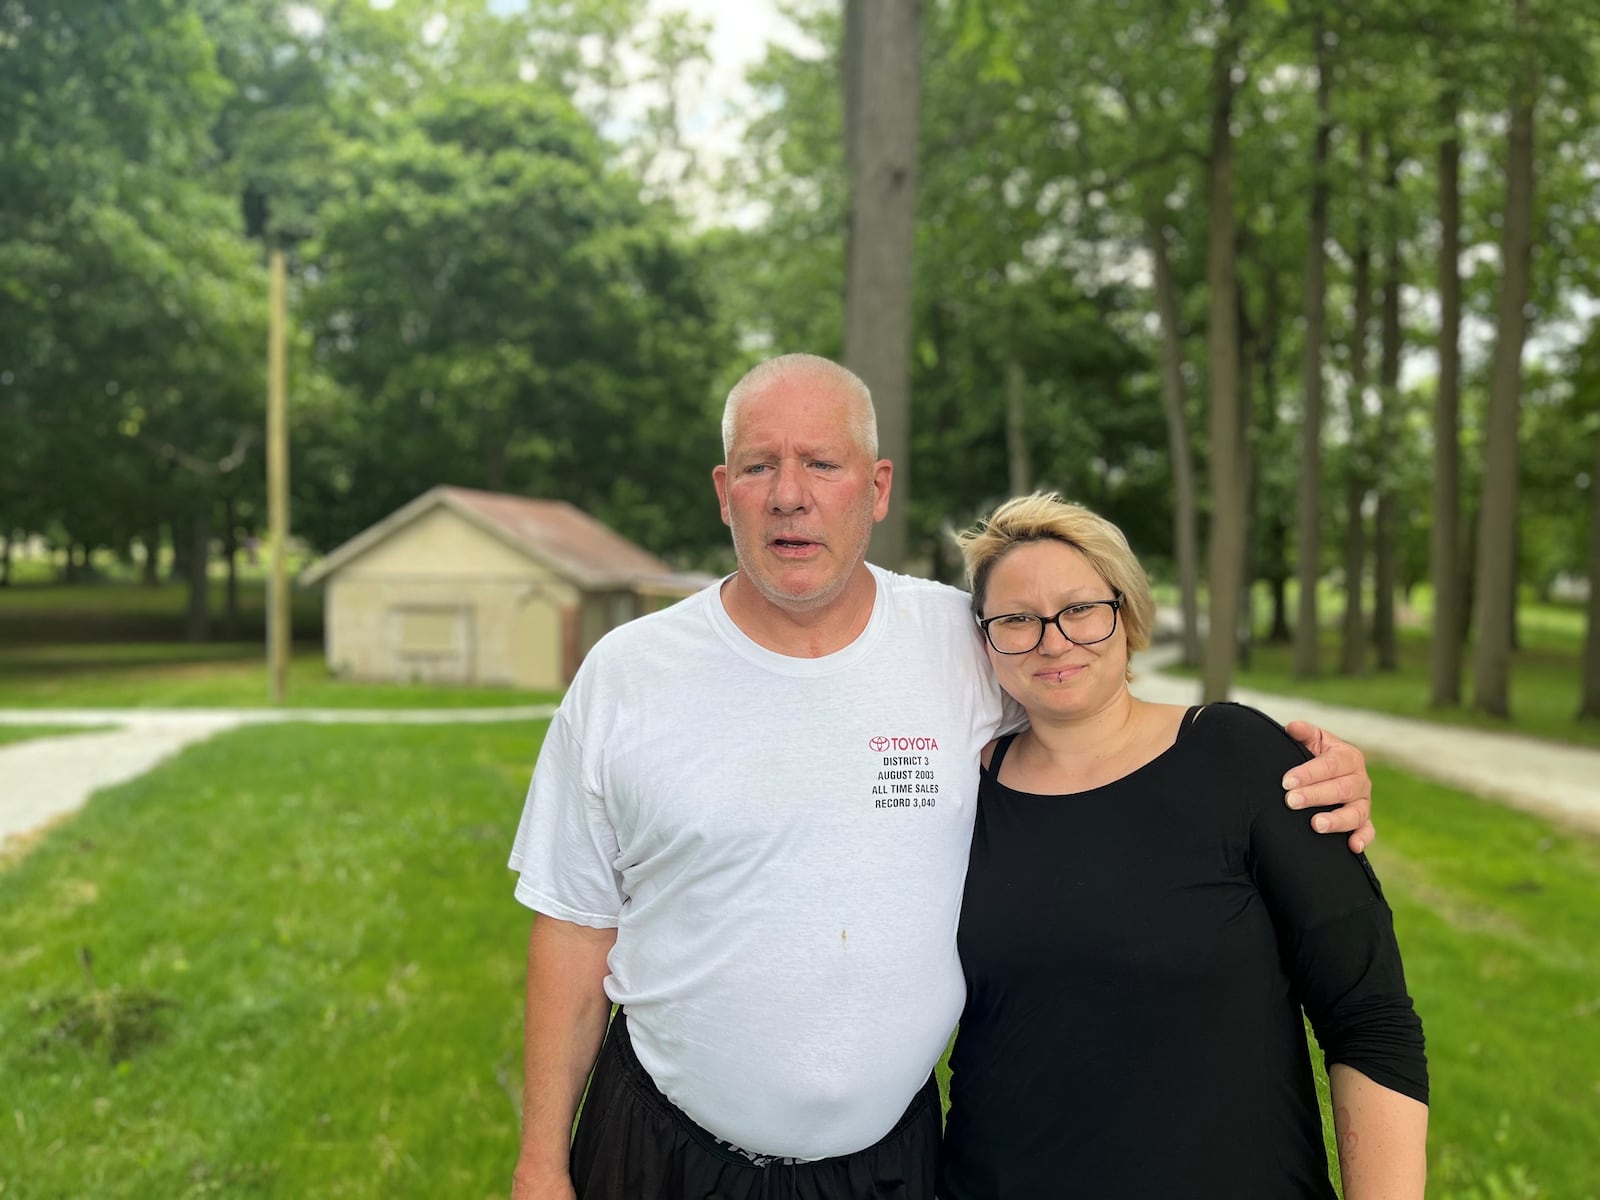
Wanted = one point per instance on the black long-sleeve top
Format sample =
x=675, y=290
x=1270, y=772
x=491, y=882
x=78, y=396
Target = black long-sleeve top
x=1137, y=959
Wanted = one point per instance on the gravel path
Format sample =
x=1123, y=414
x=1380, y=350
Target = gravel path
x=46, y=778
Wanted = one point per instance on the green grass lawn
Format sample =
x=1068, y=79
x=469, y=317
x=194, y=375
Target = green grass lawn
x=307, y=970
x=310, y=938
x=1496, y=916
x=225, y=674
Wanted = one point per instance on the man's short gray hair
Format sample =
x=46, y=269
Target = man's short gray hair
x=816, y=369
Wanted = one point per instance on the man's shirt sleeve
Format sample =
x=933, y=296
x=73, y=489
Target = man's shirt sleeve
x=566, y=848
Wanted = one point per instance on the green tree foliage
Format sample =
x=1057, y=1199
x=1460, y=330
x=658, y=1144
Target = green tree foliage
x=492, y=290
x=514, y=314
x=1056, y=137
x=501, y=309
x=125, y=295
x=999, y=287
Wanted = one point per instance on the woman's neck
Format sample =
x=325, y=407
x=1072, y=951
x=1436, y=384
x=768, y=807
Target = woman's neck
x=1064, y=754
x=1076, y=737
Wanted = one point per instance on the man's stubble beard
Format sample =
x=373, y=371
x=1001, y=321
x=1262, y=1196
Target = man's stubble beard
x=806, y=602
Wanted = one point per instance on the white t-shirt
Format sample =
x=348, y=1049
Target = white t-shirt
x=781, y=844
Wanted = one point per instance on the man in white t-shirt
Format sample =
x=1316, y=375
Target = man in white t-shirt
x=748, y=828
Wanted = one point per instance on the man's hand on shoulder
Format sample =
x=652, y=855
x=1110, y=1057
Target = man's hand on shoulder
x=1337, y=775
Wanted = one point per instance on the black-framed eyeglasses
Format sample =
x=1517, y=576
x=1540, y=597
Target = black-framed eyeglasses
x=1083, y=623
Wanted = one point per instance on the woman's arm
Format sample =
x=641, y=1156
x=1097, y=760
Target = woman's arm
x=1336, y=938
x=1382, y=1137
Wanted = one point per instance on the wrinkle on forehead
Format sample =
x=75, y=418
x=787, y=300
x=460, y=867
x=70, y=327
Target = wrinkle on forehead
x=800, y=435
x=834, y=451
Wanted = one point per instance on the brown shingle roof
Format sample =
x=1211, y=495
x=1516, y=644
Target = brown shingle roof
x=563, y=535
x=555, y=533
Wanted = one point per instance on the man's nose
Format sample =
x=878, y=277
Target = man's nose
x=788, y=488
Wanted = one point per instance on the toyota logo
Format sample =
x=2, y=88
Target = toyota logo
x=879, y=744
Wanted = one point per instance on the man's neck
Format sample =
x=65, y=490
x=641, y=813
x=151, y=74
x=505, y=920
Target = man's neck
x=803, y=632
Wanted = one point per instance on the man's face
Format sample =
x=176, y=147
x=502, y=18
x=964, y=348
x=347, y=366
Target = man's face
x=800, y=493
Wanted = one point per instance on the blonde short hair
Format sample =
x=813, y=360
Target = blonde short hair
x=1045, y=516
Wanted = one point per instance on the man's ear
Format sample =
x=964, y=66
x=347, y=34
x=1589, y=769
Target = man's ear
x=882, y=481
x=719, y=477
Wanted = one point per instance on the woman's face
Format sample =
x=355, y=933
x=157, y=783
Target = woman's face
x=1057, y=676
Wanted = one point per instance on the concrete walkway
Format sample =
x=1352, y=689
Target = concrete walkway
x=1562, y=782
x=45, y=778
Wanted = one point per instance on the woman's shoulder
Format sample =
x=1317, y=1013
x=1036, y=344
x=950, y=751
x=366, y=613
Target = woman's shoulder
x=1240, y=724
x=996, y=750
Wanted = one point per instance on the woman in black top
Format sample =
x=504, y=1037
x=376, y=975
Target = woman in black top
x=1144, y=922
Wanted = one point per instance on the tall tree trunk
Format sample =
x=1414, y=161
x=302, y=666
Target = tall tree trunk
x=1309, y=550
x=1444, y=548
x=230, y=553
x=1222, y=341
x=150, y=572
x=1512, y=638
x=1272, y=542
x=1589, y=703
x=1258, y=348
x=1019, y=456
x=1497, y=521
x=1180, y=452
x=1352, y=627
x=941, y=561
x=181, y=541
x=1385, y=534
x=1353, y=638
x=1280, y=632
x=1385, y=579
x=7, y=549
x=1247, y=482
x=198, y=623
x=882, y=98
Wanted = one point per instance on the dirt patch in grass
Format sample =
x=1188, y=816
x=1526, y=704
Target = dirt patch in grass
x=114, y=1023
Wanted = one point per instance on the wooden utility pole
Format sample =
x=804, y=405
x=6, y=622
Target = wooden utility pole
x=277, y=482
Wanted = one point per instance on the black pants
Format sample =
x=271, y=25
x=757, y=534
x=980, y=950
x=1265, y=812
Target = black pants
x=632, y=1143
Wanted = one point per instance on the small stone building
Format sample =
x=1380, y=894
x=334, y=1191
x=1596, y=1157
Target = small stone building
x=470, y=587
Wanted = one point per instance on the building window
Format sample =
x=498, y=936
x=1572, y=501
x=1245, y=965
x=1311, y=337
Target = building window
x=431, y=632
